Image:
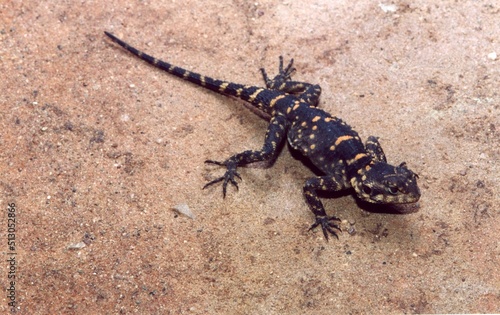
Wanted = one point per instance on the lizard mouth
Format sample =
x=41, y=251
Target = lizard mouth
x=394, y=199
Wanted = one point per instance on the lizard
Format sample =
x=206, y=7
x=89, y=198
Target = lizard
x=326, y=141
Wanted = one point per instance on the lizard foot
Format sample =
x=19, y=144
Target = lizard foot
x=283, y=75
x=228, y=177
x=326, y=225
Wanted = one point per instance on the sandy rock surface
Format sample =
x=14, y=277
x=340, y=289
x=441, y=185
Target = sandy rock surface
x=98, y=148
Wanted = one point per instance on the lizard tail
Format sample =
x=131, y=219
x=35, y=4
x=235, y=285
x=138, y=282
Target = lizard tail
x=218, y=86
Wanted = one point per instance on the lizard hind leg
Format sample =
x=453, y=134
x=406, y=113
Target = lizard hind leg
x=306, y=92
x=281, y=78
x=275, y=134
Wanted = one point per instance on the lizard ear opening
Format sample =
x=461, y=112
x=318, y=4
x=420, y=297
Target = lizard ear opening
x=367, y=190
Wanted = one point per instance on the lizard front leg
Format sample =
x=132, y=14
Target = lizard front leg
x=323, y=183
x=276, y=132
x=374, y=149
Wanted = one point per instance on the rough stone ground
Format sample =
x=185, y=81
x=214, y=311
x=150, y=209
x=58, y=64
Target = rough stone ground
x=97, y=148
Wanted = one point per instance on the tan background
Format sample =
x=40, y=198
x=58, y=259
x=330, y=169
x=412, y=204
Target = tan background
x=98, y=147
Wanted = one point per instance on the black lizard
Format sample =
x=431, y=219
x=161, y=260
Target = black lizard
x=328, y=142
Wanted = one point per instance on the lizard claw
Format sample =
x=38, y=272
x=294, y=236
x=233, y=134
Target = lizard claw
x=326, y=225
x=228, y=177
x=284, y=75
x=288, y=71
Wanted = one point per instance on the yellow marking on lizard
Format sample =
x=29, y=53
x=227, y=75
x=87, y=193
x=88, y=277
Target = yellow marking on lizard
x=342, y=139
x=254, y=95
x=223, y=87
x=356, y=158
x=274, y=100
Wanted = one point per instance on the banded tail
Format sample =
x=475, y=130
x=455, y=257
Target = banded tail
x=246, y=93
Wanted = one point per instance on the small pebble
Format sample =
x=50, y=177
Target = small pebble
x=351, y=230
x=388, y=7
x=183, y=208
x=77, y=246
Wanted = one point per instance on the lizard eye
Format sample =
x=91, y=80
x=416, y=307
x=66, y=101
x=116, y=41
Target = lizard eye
x=393, y=190
x=367, y=190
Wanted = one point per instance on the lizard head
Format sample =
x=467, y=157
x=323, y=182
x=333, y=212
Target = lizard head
x=380, y=182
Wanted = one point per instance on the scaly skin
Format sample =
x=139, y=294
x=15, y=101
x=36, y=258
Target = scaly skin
x=328, y=142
